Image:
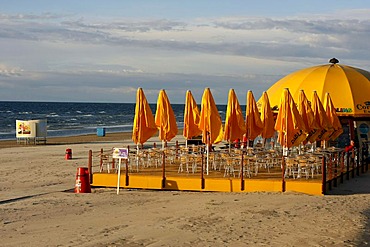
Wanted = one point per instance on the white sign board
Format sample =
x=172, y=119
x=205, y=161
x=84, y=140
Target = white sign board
x=120, y=153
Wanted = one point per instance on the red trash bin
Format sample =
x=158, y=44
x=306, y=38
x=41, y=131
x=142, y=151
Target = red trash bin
x=82, y=180
x=68, y=154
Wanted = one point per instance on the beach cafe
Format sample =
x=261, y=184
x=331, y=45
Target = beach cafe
x=293, y=138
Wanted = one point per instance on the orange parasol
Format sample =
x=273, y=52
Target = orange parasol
x=210, y=121
x=308, y=117
x=165, y=119
x=267, y=117
x=289, y=123
x=144, y=124
x=191, y=117
x=333, y=118
x=234, y=122
x=254, y=125
x=325, y=127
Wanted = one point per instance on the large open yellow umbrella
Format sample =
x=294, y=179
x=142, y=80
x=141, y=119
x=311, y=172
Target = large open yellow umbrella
x=325, y=127
x=308, y=117
x=253, y=121
x=144, y=125
x=267, y=117
x=289, y=123
x=234, y=121
x=349, y=87
x=191, y=117
x=165, y=118
x=333, y=118
x=210, y=121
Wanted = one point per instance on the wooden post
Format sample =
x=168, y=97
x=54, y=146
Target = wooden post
x=353, y=163
x=329, y=171
x=341, y=166
x=242, y=172
x=347, y=166
x=89, y=167
x=283, y=175
x=335, y=169
x=127, y=177
x=202, y=182
x=163, y=169
x=101, y=159
x=357, y=164
x=323, y=171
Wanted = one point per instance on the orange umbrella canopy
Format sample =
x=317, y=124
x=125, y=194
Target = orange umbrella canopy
x=267, y=117
x=234, y=121
x=253, y=121
x=210, y=120
x=333, y=118
x=349, y=87
x=307, y=114
x=144, y=124
x=165, y=119
x=289, y=123
x=191, y=117
x=325, y=127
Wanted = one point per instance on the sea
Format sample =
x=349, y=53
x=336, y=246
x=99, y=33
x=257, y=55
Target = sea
x=74, y=119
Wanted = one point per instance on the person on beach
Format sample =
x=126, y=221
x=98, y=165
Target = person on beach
x=350, y=147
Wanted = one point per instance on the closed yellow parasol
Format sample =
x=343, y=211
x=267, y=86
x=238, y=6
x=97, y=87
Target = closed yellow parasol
x=289, y=123
x=333, y=118
x=191, y=117
x=234, y=121
x=210, y=120
x=144, y=124
x=307, y=114
x=349, y=87
x=165, y=119
x=325, y=127
x=253, y=121
x=267, y=117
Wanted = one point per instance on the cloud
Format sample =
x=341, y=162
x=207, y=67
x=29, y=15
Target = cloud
x=6, y=71
x=68, y=57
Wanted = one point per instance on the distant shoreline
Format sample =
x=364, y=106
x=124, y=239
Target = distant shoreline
x=78, y=139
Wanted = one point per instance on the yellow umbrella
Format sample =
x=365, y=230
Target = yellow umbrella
x=144, y=124
x=333, y=118
x=234, y=121
x=210, y=121
x=191, y=117
x=289, y=123
x=308, y=117
x=349, y=87
x=267, y=117
x=325, y=127
x=254, y=125
x=165, y=119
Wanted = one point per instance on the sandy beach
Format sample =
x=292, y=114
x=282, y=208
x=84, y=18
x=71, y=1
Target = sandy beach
x=38, y=207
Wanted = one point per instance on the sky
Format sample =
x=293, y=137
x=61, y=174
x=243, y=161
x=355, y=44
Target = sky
x=102, y=51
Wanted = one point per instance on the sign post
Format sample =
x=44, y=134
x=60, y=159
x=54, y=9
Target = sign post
x=119, y=153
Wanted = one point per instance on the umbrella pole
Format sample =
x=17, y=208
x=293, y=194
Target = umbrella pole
x=207, y=152
x=242, y=172
x=137, y=157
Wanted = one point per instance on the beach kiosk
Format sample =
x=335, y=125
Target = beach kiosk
x=31, y=131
